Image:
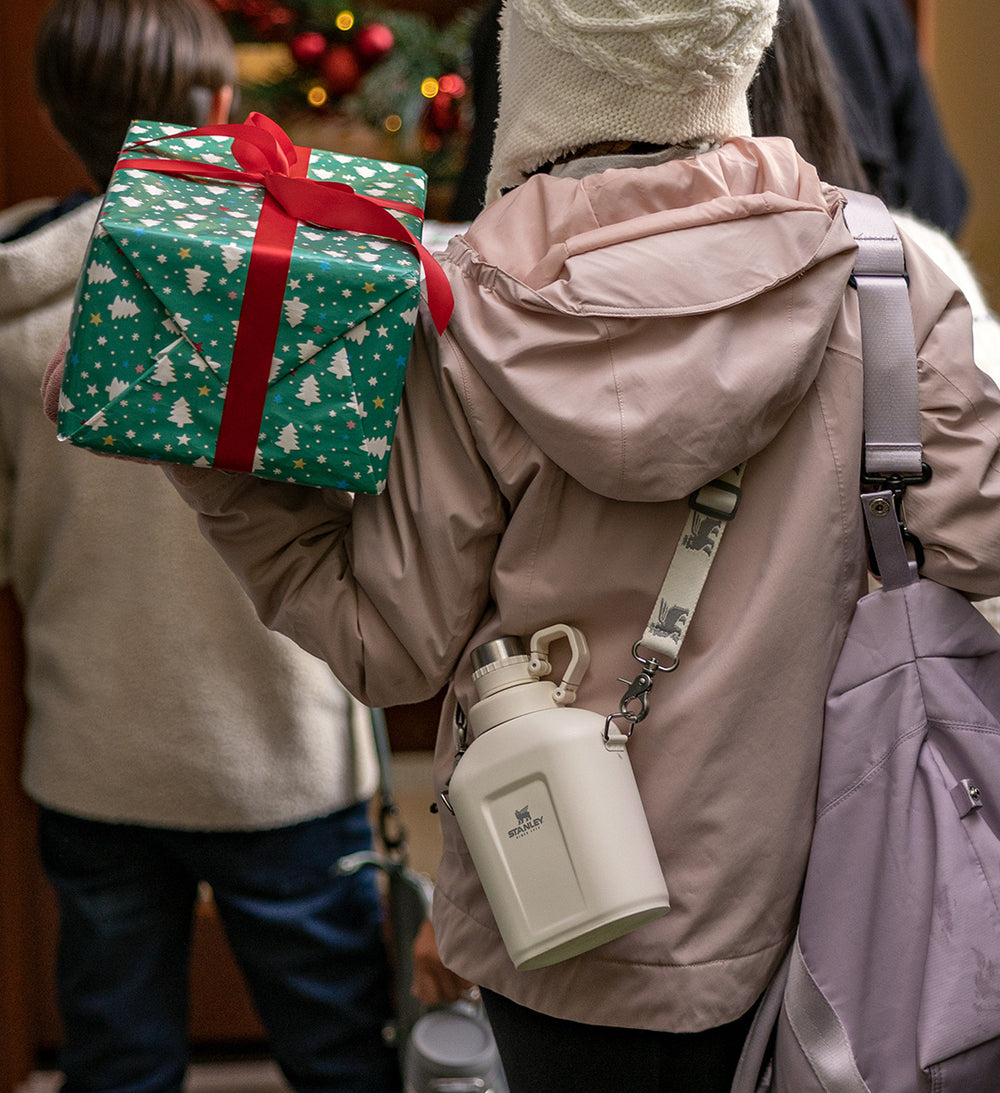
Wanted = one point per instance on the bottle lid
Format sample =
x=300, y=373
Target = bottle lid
x=494, y=652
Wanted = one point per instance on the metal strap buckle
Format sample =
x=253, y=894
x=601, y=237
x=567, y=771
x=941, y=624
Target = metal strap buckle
x=636, y=691
x=897, y=484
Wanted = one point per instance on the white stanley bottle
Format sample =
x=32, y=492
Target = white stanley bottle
x=547, y=802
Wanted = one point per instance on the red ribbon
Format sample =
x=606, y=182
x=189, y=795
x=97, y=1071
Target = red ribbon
x=270, y=159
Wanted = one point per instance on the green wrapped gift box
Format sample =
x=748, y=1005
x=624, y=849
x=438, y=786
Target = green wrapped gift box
x=242, y=305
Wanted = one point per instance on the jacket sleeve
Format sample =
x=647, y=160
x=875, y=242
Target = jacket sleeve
x=956, y=515
x=387, y=589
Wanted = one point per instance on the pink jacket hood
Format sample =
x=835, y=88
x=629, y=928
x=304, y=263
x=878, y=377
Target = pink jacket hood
x=556, y=250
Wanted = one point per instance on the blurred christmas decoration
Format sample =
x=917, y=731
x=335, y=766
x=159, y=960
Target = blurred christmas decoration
x=363, y=80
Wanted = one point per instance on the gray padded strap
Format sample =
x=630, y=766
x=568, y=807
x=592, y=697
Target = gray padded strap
x=892, y=435
x=892, y=415
x=889, y=356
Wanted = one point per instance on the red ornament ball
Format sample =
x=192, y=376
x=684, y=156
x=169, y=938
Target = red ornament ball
x=452, y=84
x=308, y=48
x=341, y=71
x=373, y=42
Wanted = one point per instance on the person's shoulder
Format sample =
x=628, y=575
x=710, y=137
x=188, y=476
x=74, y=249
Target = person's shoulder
x=943, y=251
x=16, y=218
x=946, y=256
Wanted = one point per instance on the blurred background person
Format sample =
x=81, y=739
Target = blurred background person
x=796, y=94
x=890, y=111
x=170, y=739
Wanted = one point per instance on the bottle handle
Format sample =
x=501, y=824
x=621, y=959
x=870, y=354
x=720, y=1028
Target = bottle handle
x=579, y=660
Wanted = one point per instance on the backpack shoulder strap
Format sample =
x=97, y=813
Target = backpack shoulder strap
x=892, y=417
x=892, y=447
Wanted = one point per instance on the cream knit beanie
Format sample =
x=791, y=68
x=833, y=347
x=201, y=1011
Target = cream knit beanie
x=578, y=72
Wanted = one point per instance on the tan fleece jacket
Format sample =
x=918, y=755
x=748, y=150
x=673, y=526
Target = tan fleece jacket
x=155, y=695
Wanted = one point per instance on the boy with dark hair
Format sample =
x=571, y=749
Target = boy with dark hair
x=171, y=739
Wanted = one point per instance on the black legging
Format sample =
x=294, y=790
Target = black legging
x=544, y=1054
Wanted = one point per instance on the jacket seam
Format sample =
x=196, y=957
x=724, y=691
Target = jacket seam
x=699, y=963
x=619, y=399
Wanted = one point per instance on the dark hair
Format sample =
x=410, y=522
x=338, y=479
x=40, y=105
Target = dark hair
x=100, y=64
x=796, y=94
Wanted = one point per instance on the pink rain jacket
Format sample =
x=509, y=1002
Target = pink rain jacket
x=617, y=342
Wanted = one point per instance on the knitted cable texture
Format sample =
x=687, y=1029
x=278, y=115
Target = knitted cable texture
x=687, y=44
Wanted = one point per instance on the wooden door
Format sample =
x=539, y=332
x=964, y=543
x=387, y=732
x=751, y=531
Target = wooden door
x=16, y=935
x=33, y=162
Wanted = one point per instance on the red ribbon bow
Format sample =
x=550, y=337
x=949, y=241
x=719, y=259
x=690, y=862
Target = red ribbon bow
x=269, y=158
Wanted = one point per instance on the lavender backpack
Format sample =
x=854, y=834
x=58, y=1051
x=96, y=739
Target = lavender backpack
x=892, y=984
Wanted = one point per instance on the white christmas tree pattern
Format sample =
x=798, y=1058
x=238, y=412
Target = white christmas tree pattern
x=309, y=391
x=161, y=303
x=232, y=257
x=196, y=279
x=288, y=441
x=295, y=311
x=180, y=412
x=100, y=274
x=121, y=308
x=163, y=371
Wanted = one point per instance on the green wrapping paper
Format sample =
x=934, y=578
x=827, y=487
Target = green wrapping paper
x=164, y=293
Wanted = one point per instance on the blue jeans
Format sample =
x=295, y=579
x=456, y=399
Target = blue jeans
x=309, y=945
